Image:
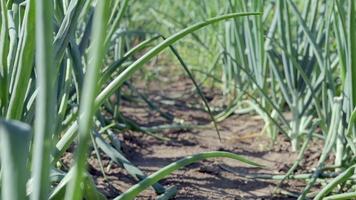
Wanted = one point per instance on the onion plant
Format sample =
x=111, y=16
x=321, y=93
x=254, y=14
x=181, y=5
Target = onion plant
x=309, y=69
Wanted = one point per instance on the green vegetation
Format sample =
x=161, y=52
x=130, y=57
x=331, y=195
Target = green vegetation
x=62, y=61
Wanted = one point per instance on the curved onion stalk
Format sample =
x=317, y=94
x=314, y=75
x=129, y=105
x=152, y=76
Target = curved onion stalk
x=343, y=196
x=106, y=75
x=45, y=102
x=15, y=140
x=87, y=108
x=336, y=181
x=165, y=171
x=125, y=75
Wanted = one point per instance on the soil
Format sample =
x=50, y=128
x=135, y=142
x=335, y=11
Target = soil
x=210, y=179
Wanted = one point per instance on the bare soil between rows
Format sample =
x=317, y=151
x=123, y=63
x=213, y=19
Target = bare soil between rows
x=210, y=179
